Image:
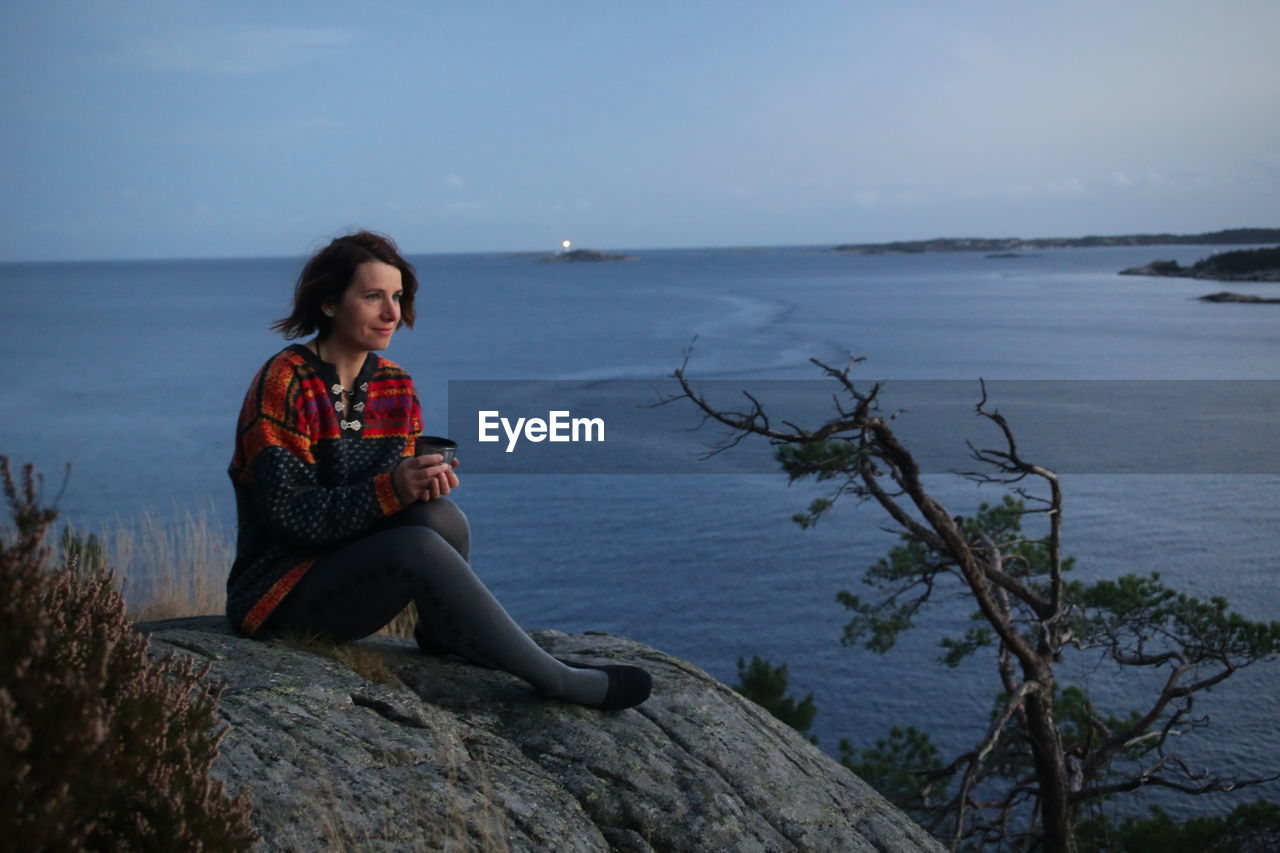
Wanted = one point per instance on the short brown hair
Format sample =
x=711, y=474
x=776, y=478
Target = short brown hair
x=331, y=270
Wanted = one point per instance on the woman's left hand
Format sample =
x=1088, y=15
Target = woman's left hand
x=442, y=483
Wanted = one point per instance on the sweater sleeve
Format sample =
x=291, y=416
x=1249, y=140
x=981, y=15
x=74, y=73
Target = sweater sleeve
x=275, y=460
x=297, y=509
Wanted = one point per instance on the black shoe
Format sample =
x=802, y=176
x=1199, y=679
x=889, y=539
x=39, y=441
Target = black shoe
x=628, y=685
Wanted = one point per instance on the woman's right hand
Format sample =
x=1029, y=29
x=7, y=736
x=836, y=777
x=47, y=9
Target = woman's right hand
x=413, y=477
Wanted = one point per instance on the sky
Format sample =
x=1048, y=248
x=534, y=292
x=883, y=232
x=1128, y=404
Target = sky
x=136, y=129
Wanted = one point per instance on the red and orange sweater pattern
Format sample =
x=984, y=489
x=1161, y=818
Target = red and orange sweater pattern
x=307, y=476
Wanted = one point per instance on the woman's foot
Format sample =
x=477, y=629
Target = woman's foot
x=628, y=686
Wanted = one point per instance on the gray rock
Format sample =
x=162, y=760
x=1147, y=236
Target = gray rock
x=1171, y=269
x=1228, y=296
x=449, y=756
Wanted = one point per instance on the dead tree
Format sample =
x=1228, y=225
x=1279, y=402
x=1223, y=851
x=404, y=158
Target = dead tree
x=1025, y=780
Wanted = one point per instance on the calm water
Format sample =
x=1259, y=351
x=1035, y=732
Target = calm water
x=134, y=372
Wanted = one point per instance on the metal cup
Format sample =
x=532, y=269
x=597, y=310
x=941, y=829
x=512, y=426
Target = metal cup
x=427, y=444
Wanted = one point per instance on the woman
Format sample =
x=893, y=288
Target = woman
x=340, y=525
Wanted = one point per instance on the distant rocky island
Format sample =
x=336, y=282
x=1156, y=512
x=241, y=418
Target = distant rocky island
x=584, y=255
x=1229, y=237
x=1228, y=296
x=1244, y=265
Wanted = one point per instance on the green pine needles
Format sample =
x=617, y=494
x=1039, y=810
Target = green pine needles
x=766, y=685
x=1046, y=758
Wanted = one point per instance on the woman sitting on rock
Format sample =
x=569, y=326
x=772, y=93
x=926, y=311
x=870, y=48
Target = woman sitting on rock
x=340, y=525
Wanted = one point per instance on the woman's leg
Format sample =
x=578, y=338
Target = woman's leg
x=339, y=600
x=358, y=588
x=444, y=517
x=441, y=515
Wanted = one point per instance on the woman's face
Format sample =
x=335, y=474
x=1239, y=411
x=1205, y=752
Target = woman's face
x=369, y=310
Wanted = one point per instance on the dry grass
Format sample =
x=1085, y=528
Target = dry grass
x=365, y=661
x=179, y=568
x=173, y=570
x=176, y=568
x=402, y=624
x=164, y=569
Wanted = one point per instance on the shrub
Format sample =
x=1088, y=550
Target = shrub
x=766, y=685
x=100, y=747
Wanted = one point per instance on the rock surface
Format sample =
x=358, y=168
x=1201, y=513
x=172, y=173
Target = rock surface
x=449, y=756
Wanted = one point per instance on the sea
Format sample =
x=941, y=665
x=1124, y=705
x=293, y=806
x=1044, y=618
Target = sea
x=132, y=373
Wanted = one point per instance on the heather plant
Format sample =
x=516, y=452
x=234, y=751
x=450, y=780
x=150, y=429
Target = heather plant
x=100, y=747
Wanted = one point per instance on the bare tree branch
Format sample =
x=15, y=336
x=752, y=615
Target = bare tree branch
x=1027, y=608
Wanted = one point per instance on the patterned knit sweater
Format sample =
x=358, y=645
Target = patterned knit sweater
x=310, y=474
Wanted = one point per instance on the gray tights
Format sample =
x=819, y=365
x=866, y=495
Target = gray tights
x=421, y=555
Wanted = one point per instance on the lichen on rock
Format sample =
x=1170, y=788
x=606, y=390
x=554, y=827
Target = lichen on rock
x=459, y=757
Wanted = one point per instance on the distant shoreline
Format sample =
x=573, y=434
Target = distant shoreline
x=1228, y=237
x=1241, y=265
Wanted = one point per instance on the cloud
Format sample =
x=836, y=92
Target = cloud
x=455, y=181
x=1160, y=181
x=872, y=198
x=867, y=198
x=1147, y=180
x=231, y=50
x=1030, y=188
x=286, y=130
x=1065, y=186
x=1268, y=164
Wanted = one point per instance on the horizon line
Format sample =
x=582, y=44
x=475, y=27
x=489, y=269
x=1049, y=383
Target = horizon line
x=539, y=252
